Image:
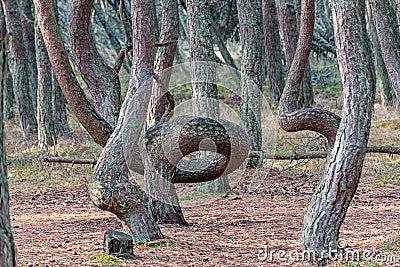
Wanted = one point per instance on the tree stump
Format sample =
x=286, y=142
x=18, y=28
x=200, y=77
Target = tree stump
x=118, y=243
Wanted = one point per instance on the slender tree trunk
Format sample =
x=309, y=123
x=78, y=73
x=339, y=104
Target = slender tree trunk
x=21, y=71
x=253, y=71
x=289, y=26
x=58, y=98
x=7, y=246
x=387, y=92
x=389, y=38
x=28, y=31
x=167, y=211
x=7, y=81
x=273, y=52
x=102, y=81
x=46, y=132
x=97, y=127
x=332, y=198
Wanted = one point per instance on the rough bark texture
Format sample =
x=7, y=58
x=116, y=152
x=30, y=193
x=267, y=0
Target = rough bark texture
x=205, y=94
x=28, y=31
x=110, y=187
x=332, y=198
x=273, y=52
x=387, y=92
x=7, y=246
x=389, y=38
x=46, y=133
x=98, y=128
x=167, y=210
x=21, y=69
x=292, y=119
x=7, y=81
x=102, y=81
x=252, y=71
x=289, y=26
x=59, y=101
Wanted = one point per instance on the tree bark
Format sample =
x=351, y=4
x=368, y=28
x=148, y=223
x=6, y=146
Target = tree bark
x=289, y=26
x=28, y=31
x=46, y=132
x=58, y=98
x=97, y=127
x=102, y=81
x=387, y=92
x=7, y=246
x=332, y=198
x=389, y=38
x=253, y=71
x=273, y=52
x=167, y=211
x=21, y=69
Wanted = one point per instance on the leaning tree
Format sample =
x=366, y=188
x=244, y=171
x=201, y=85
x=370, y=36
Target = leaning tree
x=347, y=137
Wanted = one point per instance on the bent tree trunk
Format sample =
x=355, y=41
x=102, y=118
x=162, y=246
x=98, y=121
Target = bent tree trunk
x=205, y=94
x=21, y=69
x=102, y=81
x=332, y=198
x=252, y=71
x=167, y=210
x=289, y=26
x=273, y=52
x=7, y=246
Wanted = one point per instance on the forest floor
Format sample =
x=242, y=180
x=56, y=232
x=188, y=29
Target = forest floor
x=61, y=227
x=55, y=223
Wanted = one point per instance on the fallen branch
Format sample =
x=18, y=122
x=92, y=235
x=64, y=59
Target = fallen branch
x=70, y=160
x=391, y=150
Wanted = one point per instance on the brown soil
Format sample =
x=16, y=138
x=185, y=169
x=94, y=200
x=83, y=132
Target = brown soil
x=61, y=227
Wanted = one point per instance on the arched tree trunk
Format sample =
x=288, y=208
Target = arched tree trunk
x=21, y=69
x=332, y=198
x=7, y=246
x=102, y=81
x=273, y=52
x=289, y=26
x=389, y=38
x=252, y=71
x=46, y=132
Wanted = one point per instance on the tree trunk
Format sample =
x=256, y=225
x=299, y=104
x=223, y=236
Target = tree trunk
x=289, y=26
x=110, y=187
x=387, y=92
x=21, y=69
x=201, y=49
x=253, y=71
x=58, y=98
x=7, y=81
x=389, y=38
x=102, y=81
x=273, y=52
x=167, y=210
x=7, y=246
x=332, y=198
x=46, y=132
x=28, y=31
x=99, y=129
